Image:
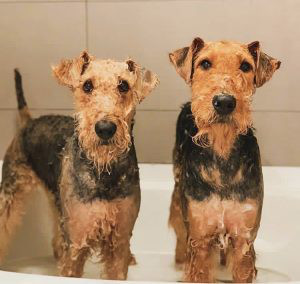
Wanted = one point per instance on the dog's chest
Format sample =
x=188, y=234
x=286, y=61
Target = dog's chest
x=89, y=223
x=89, y=184
x=217, y=218
x=106, y=186
x=239, y=176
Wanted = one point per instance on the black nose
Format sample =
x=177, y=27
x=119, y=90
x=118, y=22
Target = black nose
x=224, y=104
x=105, y=129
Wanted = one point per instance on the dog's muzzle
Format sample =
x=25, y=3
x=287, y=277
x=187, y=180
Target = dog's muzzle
x=105, y=129
x=224, y=104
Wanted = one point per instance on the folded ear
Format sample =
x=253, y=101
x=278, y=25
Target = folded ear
x=146, y=80
x=183, y=58
x=149, y=81
x=265, y=64
x=68, y=71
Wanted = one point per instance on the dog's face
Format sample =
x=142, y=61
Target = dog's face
x=223, y=77
x=106, y=94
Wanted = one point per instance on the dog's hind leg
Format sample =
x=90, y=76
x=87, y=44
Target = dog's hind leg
x=18, y=180
x=243, y=261
x=72, y=261
x=58, y=240
x=176, y=222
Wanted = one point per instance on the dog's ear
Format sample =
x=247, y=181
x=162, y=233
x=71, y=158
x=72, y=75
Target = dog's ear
x=146, y=80
x=149, y=82
x=68, y=71
x=183, y=58
x=265, y=64
x=132, y=66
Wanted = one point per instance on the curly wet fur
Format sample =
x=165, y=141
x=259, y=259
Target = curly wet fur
x=102, y=157
x=217, y=200
x=104, y=102
x=92, y=185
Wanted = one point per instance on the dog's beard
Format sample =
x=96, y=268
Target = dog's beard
x=103, y=153
x=217, y=131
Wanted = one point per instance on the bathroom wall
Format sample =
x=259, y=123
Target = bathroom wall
x=35, y=34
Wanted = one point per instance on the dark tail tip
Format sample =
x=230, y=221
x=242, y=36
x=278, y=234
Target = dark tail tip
x=19, y=90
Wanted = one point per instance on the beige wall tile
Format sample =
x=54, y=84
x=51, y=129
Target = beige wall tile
x=34, y=36
x=151, y=129
x=148, y=30
x=38, y=1
x=8, y=125
x=278, y=135
x=7, y=130
x=37, y=33
x=154, y=134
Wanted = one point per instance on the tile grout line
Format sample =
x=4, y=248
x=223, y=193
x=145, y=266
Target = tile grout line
x=40, y=2
x=86, y=25
x=94, y=1
x=146, y=110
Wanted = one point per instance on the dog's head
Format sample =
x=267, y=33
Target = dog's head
x=223, y=77
x=106, y=94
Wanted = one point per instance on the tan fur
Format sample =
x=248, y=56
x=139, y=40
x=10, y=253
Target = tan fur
x=238, y=177
x=14, y=193
x=104, y=227
x=212, y=177
x=224, y=77
x=227, y=225
x=58, y=242
x=105, y=102
x=176, y=222
x=24, y=117
x=213, y=222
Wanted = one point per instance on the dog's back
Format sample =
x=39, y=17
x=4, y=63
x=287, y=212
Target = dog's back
x=43, y=140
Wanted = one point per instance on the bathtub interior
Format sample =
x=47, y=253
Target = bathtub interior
x=153, y=243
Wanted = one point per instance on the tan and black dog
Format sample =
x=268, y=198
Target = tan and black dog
x=87, y=165
x=218, y=195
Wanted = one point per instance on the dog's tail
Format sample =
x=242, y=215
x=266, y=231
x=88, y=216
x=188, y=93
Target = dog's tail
x=22, y=105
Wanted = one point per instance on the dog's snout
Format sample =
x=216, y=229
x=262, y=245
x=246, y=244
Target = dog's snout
x=224, y=104
x=105, y=129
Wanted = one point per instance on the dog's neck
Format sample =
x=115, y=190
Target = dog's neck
x=102, y=164
x=221, y=138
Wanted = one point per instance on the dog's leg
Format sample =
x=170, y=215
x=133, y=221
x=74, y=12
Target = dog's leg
x=58, y=241
x=115, y=257
x=176, y=221
x=243, y=261
x=18, y=180
x=71, y=263
x=201, y=246
x=116, y=254
x=199, y=264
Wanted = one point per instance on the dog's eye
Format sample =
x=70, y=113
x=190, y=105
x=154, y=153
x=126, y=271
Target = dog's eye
x=246, y=66
x=123, y=86
x=88, y=86
x=205, y=64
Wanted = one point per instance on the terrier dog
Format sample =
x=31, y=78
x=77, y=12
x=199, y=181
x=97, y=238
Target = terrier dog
x=87, y=165
x=218, y=195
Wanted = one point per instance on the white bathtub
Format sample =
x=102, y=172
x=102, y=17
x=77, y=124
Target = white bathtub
x=277, y=245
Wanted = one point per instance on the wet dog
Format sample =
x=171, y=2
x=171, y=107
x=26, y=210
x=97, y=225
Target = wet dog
x=87, y=165
x=218, y=195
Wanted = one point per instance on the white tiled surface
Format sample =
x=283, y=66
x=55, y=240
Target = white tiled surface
x=153, y=243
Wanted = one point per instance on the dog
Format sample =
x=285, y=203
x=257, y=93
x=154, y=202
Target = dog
x=218, y=195
x=86, y=164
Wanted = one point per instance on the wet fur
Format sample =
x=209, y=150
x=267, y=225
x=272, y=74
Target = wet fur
x=217, y=201
x=93, y=188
